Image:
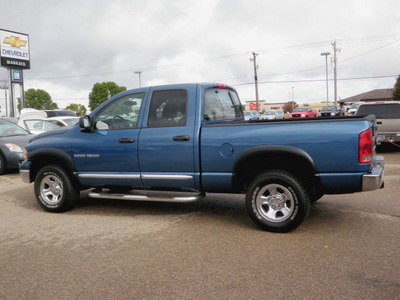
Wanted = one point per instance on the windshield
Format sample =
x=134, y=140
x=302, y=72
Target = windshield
x=354, y=106
x=10, y=129
x=329, y=108
x=300, y=109
x=270, y=113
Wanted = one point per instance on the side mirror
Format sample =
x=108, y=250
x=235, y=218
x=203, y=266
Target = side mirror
x=85, y=124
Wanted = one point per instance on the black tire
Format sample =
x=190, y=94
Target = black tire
x=55, y=190
x=2, y=165
x=277, y=201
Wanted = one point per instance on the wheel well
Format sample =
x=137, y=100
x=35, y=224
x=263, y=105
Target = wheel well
x=298, y=165
x=41, y=161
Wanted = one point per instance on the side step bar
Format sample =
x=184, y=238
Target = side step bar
x=178, y=197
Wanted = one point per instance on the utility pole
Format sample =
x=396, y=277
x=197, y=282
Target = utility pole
x=140, y=77
x=255, y=77
x=335, y=51
x=326, y=70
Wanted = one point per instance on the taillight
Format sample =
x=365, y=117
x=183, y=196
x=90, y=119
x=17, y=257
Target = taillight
x=365, y=146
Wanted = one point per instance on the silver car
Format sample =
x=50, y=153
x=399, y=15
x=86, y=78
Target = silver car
x=272, y=115
x=387, y=119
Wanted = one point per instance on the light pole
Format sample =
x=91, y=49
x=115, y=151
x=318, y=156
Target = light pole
x=140, y=77
x=326, y=63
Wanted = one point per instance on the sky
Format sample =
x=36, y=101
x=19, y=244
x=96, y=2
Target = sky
x=75, y=44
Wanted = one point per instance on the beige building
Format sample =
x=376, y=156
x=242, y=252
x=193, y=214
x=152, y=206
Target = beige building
x=266, y=105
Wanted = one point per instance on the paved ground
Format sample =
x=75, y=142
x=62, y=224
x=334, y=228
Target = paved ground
x=348, y=248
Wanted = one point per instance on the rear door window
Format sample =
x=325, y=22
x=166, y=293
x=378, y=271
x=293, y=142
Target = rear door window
x=220, y=105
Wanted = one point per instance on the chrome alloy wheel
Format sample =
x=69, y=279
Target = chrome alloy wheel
x=51, y=189
x=275, y=202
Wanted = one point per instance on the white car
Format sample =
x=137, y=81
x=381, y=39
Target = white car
x=36, y=126
x=272, y=115
x=251, y=115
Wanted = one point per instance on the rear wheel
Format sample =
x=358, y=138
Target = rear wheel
x=277, y=201
x=55, y=190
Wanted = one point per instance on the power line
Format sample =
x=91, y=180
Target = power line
x=316, y=80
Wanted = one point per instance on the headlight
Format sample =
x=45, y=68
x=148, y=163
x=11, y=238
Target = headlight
x=303, y=115
x=332, y=114
x=14, y=148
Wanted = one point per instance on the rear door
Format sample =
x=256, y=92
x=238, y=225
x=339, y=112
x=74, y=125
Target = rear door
x=166, y=142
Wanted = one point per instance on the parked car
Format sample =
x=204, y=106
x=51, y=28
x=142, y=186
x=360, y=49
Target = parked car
x=331, y=111
x=303, y=112
x=353, y=108
x=60, y=113
x=36, y=126
x=251, y=115
x=272, y=115
x=13, y=140
x=387, y=119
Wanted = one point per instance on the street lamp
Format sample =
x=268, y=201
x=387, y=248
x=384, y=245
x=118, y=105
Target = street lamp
x=140, y=78
x=326, y=63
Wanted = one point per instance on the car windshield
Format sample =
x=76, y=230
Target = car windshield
x=381, y=111
x=10, y=129
x=329, y=108
x=270, y=113
x=300, y=109
x=354, y=106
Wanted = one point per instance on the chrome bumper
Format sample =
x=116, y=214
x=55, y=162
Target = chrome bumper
x=374, y=180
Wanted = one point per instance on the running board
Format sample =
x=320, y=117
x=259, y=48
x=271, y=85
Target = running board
x=179, y=197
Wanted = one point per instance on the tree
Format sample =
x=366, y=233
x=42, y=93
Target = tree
x=39, y=99
x=396, y=91
x=101, y=92
x=78, y=108
x=289, y=107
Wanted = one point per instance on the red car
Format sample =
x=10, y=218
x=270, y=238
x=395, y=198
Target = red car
x=303, y=112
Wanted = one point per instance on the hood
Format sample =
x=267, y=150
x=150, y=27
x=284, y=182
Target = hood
x=50, y=133
x=20, y=140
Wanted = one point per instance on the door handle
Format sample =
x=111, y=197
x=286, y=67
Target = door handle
x=126, y=140
x=181, y=138
x=379, y=122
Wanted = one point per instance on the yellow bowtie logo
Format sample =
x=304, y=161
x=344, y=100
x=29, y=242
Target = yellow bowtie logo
x=14, y=42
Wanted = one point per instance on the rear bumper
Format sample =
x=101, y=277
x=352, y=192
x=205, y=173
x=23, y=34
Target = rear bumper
x=389, y=137
x=374, y=180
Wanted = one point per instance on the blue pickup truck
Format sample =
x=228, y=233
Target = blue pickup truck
x=178, y=142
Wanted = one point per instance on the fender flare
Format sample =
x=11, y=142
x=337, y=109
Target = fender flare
x=248, y=154
x=53, y=153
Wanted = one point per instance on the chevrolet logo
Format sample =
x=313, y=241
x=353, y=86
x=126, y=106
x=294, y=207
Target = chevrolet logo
x=14, y=42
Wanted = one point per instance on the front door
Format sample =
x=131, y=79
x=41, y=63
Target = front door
x=108, y=155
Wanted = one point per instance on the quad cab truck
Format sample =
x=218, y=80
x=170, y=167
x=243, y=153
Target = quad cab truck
x=178, y=142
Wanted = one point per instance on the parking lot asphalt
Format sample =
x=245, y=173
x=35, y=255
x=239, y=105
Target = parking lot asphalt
x=348, y=248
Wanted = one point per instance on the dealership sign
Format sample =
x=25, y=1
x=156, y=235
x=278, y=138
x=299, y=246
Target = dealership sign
x=14, y=50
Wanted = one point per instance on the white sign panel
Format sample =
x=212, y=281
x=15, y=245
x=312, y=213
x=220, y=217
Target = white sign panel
x=14, y=49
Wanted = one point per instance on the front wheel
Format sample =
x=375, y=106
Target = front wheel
x=55, y=190
x=277, y=201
